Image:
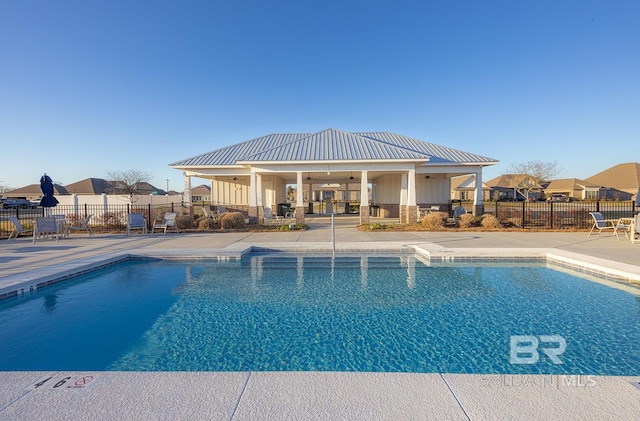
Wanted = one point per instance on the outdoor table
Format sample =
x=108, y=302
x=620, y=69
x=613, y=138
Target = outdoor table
x=631, y=223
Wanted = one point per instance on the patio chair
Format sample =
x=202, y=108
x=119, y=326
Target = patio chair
x=167, y=223
x=270, y=218
x=602, y=224
x=81, y=225
x=289, y=218
x=458, y=211
x=17, y=228
x=61, y=220
x=136, y=221
x=45, y=226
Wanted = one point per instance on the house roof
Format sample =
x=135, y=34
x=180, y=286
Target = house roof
x=90, y=186
x=34, y=190
x=567, y=184
x=201, y=189
x=466, y=182
x=625, y=177
x=331, y=145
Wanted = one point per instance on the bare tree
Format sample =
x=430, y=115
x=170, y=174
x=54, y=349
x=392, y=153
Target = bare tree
x=532, y=174
x=128, y=182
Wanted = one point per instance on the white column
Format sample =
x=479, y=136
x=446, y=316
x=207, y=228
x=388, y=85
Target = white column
x=105, y=203
x=411, y=188
x=187, y=190
x=403, y=190
x=259, y=199
x=477, y=197
x=76, y=206
x=299, y=193
x=253, y=195
x=364, y=191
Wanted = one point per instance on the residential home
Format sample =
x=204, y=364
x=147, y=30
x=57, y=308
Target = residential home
x=620, y=182
x=505, y=187
x=201, y=193
x=573, y=187
x=463, y=188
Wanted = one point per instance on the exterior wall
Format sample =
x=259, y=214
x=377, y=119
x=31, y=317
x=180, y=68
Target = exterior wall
x=387, y=189
x=434, y=190
x=223, y=192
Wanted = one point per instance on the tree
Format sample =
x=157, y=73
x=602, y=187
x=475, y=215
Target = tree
x=532, y=174
x=128, y=182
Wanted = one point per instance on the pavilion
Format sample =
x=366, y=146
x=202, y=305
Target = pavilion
x=394, y=173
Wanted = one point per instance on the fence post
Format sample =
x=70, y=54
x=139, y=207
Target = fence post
x=524, y=203
x=86, y=210
x=598, y=205
x=496, y=210
x=551, y=212
x=149, y=207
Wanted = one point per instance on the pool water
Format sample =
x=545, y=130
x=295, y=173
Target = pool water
x=275, y=313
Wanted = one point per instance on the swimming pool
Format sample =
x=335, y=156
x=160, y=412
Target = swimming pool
x=301, y=312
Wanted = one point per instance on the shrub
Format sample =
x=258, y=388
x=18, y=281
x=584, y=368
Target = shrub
x=466, y=220
x=434, y=220
x=490, y=221
x=206, y=224
x=184, y=222
x=232, y=220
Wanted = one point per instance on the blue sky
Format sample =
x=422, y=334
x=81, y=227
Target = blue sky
x=91, y=87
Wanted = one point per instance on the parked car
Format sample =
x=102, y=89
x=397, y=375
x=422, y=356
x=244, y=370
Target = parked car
x=559, y=197
x=18, y=203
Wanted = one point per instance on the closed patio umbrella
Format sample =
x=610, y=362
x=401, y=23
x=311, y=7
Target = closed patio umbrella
x=46, y=185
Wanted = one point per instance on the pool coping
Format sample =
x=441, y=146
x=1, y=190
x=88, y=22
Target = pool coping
x=23, y=283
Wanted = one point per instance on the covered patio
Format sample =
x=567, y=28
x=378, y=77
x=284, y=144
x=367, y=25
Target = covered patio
x=346, y=172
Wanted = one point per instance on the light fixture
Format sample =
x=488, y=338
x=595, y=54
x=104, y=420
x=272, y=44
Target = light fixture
x=235, y=178
x=427, y=177
x=351, y=177
x=308, y=176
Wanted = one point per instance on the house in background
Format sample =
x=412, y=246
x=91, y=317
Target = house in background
x=463, y=188
x=620, y=182
x=201, y=193
x=574, y=188
x=33, y=192
x=504, y=187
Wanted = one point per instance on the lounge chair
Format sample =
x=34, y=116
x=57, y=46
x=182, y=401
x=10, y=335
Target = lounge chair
x=17, y=228
x=270, y=218
x=602, y=224
x=136, y=221
x=45, y=226
x=167, y=223
x=81, y=225
x=289, y=218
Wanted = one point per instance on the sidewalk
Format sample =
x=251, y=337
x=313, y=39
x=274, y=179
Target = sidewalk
x=312, y=395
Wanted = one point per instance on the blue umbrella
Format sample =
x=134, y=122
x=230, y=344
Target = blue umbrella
x=46, y=185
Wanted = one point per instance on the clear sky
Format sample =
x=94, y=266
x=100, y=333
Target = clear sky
x=92, y=87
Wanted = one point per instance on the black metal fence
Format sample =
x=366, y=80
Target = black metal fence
x=111, y=218
x=557, y=215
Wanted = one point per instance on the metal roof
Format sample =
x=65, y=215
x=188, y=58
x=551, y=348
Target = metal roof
x=331, y=145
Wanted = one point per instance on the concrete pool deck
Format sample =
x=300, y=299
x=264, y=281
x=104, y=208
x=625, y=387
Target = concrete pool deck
x=313, y=395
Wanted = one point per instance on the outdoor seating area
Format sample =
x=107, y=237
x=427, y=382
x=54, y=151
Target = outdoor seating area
x=615, y=225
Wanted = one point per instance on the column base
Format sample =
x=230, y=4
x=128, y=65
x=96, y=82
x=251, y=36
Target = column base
x=478, y=210
x=412, y=214
x=364, y=215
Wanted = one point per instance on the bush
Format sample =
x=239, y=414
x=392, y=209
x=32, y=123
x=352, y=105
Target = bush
x=466, y=220
x=206, y=224
x=490, y=221
x=184, y=222
x=232, y=220
x=434, y=220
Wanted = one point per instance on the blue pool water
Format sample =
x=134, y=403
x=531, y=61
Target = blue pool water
x=313, y=313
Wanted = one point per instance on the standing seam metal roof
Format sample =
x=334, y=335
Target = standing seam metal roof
x=329, y=145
